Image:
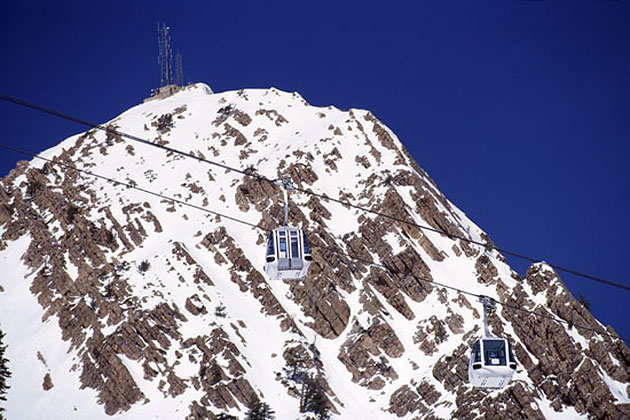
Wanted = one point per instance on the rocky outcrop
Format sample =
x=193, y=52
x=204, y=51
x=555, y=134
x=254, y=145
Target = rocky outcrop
x=363, y=352
x=90, y=303
x=565, y=371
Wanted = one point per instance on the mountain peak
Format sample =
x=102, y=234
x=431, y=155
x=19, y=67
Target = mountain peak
x=136, y=303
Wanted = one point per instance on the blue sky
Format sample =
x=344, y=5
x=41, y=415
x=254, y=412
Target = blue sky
x=519, y=110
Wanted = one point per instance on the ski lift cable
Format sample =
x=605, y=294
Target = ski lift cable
x=485, y=245
x=128, y=185
x=328, y=248
x=253, y=174
x=113, y=131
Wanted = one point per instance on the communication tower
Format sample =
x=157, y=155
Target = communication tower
x=168, y=86
x=164, y=54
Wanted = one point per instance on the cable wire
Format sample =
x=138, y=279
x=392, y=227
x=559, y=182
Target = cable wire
x=126, y=184
x=331, y=249
x=259, y=177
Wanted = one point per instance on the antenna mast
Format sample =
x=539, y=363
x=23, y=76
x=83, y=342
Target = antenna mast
x=164, y=55
x=169, y=85
x=179, y=70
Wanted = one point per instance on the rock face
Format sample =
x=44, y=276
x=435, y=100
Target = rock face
x=158, y=307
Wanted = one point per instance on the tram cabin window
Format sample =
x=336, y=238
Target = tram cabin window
x=270, y=248
x=495, y=352
x=307, y=249
x=511, y=357
x=295, y=249
x=477, y=353
x=282, y=239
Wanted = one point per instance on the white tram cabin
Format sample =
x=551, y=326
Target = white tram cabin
x=288, y=254
x=491, y=363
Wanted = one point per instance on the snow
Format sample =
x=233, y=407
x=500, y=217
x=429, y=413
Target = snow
x=567, y=413
x=618, y=389
x=257, y=335
x=28, y=338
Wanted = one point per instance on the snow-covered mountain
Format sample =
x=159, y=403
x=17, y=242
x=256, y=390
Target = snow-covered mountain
x=120, y=304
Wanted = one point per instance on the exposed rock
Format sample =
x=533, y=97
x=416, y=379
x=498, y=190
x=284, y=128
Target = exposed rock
x=47, y=384
x=361, y=354
x=241, y=117
x=273, y=115
x=428, y=393
x=239, y=138
x=404, y=400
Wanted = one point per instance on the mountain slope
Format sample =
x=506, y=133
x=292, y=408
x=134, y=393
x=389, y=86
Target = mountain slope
x=117, y=303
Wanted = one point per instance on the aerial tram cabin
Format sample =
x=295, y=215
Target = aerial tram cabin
x=288, y=255
x=492, y=362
